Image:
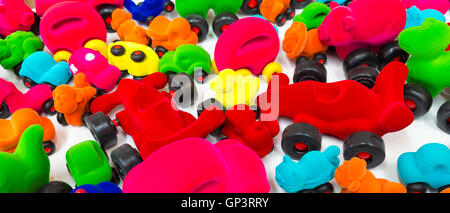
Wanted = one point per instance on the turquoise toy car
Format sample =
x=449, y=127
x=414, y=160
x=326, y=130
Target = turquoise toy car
x=41, y=68
x=311, y=173
x=429, y=166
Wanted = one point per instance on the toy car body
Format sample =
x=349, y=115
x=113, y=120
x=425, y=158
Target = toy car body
x=314, y=169
x=277, y=11
x=440, y=5
x=12, y=129
x=16, y=47
x=41, y=68
x=15, y=16
x=313, y=15
x=428, y=166
x=104, y=187
x=149, y=116
x=225, y=167
x=88, y=164
x=38, y=98
x=148, y=9
x=298, y=41
x=127, y=29
x=415, y=16
x=28, y=168
x=99, y=73
x=136, y=59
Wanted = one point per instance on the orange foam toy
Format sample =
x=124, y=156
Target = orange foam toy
x=171, y=34
x=270, y=9
x=11, y=130
x=127, y=29
x=73, y=102
x=298, y=41
x=353, y=177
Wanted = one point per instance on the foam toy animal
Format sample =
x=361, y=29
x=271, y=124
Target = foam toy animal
x=15, y=16
x=72, y=102
x=415, y=17
x=16, y=47
x=353, y=177
x=225, y=167
x=277, y=11
x=28, y=168
x=353, y=27
x=313, y=15
x=127, y=29
x=298, y=41
x=440, y=5
x=313, y=170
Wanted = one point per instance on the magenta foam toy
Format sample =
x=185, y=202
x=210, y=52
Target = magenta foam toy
x=67, y=26
x=249, y=43
x=43, y=5
x=15, y=15
x=194, y=165
x=364, y=23
x=440, y=5
x=99, y=73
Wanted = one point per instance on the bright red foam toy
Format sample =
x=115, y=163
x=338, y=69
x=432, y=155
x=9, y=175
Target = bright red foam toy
x=194, y=165
x=15, y=16
x=149, y=116
x=364, y=23
x=440, y=5
x=241, y=124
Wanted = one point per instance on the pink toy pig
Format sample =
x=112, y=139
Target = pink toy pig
x=364, y=23
x=440, y=5
x=95, y=66
x=15, y=15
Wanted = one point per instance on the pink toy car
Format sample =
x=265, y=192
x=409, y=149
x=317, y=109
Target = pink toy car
x=99, y=73
x=195, y=165
x=104, y=7
x=440, y=5
x=15, y=15
x=38, y=98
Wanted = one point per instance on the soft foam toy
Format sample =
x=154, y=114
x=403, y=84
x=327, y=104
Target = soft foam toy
x=415, y=17
x=298, y=41
x=313, y=15
x=440, y=5
x=127, y=29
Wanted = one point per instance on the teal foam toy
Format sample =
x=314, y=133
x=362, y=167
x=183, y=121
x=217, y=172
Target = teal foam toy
x=28, y=168
x=415, y=17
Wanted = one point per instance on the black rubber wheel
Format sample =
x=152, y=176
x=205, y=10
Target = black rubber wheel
x=28, y=82
x=52, y=87
x=55, y=187
x=443, y=117
x=391, y=52
x=417, y=99
x=300, y=138
x=325, y=188
x=183, y=89
x=123, y=74
x=17, y=68
x=60, y=118
x=4, y=111
x=251, y=7
x=49, y=147
x=416, y=188
x=105, y=12
x=103, y=129
x=199, y=25
x=160, y=51
x=321, y=58
x=48, y=107
x=200, y=76
x=115, y=176
x=360, y=57
x=281, y=20
x=364, y=75
x=443, y=188
x=290, y=13
x=309, y=70
x=222, y=21
x=168, y=6
x=35, y=27
x=148, y=20
x=365, y=145
x=125, y=158
x=85, y=115
x=138, y=78
x=300, y=4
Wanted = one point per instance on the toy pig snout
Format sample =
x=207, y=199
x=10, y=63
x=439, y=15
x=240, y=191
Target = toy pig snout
x=28, y=19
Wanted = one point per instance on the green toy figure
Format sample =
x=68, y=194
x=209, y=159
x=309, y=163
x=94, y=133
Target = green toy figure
x=16, y=47
x=28, y=168
x=313, y=15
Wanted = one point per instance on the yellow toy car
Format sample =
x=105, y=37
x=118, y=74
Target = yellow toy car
x=132, y=58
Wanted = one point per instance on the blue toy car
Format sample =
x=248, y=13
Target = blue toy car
x=310, y=174
x=41, y=68
x=429, y=166
x=104, y=187
x=147, y=10
x=415, y=17
x=341, y=2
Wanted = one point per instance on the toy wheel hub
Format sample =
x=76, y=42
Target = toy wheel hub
x=411, y=104
x=224, y=27
x=252, y=4
x=108, y=20
x=80, y=191
x=364, y=155
x=301, y=147
x=196, y=30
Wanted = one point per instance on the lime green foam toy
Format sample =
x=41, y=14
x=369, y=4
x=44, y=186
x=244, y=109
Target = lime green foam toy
x=429, y=64
x=28, y=168
x=17, y=46
x=313, y=15
x=201, y=7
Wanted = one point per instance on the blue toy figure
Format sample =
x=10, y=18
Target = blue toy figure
x=104, y=187
x=41, y=68
x=147, y=10
x=415, y=17
x=341, y=2
x=430, y=165
x=311, y=173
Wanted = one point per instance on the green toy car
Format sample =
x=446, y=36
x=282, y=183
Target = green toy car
x=313, y=15
x=88, y=164
x=190, y=59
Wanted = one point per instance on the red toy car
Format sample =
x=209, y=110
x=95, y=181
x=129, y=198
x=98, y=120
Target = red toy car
x=345, y=109
x=149, y=116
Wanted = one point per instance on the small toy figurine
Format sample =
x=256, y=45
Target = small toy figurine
x=313, y=15
x=127, y=29
x=28, y=168
x=440, y=5
x=415, y=16
x=278, y=11
x=16, y=47
x=16, y=16
x=147, y=10
x=429, y=166
x=353, y=177
x=72, y=102
x=103, y=187
x=225, y=167
x=311, y=173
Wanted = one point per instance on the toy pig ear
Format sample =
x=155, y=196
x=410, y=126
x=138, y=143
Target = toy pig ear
x=349, y=23
x=333, y=5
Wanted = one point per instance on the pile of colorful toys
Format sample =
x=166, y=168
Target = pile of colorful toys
x=161, y=104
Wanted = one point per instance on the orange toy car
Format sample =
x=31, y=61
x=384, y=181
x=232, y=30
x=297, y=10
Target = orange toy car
x=353, y=177
x=11, y=130
x=167, y=35
x=277, y=11
x=72, y=103
x=127, y=29
x=298, y=41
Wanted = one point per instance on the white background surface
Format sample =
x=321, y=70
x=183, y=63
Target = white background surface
x=421, y=131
